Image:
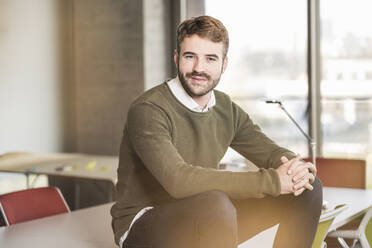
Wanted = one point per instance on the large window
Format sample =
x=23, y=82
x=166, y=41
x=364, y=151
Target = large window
x=346, y=85
x=267, y=59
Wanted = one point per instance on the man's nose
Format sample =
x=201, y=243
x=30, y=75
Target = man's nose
x=198, y=65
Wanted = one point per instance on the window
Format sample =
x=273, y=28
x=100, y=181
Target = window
x=267, y=59
x=346, y=83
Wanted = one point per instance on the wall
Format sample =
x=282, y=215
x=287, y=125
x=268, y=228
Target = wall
x=108, y=70
x=34, y=81
x=69, y=70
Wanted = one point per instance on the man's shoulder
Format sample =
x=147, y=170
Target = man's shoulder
x=221, y=95
x=223, y=100
x=227, y=105
x=157, y=98
x=153, y=95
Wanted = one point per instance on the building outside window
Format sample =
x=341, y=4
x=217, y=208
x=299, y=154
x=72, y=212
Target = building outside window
x=346, y=79
x=268, y=60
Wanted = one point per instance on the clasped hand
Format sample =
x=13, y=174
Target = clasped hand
x=295, y=175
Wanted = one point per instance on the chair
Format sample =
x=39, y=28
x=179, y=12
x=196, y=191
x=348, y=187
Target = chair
x=31, y=204
x=325, y=222
x=362, y=236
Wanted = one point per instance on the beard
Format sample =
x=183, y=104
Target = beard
x=186, y=82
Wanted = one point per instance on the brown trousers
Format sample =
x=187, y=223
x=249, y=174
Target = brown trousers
x=212, y=220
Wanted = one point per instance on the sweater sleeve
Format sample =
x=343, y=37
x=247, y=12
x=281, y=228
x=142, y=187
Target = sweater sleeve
x=253, y=144
x=150, y=135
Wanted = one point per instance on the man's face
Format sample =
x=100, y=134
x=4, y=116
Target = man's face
x=199, y=65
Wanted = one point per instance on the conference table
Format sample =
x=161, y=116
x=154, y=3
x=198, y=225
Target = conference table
x=85, y=228
x=357, y=200
x=91, y=227
x=77, y=175
x=77, y=165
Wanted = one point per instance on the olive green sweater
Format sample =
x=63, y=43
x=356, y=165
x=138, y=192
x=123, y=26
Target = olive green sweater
x=169, y=152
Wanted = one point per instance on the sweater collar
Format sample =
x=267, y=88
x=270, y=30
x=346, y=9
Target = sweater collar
x=182, y=96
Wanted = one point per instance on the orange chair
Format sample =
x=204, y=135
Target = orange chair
x=32, y=204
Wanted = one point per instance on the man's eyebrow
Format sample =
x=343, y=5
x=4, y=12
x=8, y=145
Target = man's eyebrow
x=208, y=55
x=188, y=53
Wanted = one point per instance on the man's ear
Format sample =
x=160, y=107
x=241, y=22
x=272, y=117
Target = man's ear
x=175, y=57
x=224, y=66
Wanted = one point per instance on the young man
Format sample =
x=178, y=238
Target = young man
x=170, y=192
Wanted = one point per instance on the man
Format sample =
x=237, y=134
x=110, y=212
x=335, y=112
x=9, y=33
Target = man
x=170, y=192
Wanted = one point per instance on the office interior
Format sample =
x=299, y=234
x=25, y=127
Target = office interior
x=69, y=70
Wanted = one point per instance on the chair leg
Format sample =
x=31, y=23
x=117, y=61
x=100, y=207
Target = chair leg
x=363, y=242
x=342, y=242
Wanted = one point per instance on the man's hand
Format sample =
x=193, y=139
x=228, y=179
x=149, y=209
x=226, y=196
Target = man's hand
x=302, y=174
x=286, y=179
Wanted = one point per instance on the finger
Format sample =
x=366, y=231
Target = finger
x=294, y=163
x=312, y=168
x=311, y=178
x=299, y=192
x=300, y=175
x=302, y=167
x=309, y=186
x=300, y=184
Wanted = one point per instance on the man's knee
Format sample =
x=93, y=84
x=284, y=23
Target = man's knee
x=317, y=184
x=216, y=201
x=317, y=191
x=217, y=206
x=314, y=197
x=218, y=219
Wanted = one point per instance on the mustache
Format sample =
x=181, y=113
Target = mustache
x=198, y=74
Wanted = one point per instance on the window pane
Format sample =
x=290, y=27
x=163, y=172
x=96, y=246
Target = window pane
x=346, y=86
x=267, y=59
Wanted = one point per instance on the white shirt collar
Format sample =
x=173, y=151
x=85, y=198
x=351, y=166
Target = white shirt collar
x=182, y=96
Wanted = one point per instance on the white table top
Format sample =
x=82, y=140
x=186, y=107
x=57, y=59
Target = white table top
x=357, y=200
x=86, y=228
x=91, y=227
x=62, y=164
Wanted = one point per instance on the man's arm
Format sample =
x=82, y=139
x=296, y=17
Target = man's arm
x=252, y=143
x=149, y=131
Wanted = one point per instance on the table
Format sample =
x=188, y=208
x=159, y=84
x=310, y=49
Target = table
x=91, y=227
x=85, y=180
x=62, y=164
x=357, y=200
x=86, y=228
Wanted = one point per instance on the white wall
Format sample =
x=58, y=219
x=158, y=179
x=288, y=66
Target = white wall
x=69, y=70
x=32, y=70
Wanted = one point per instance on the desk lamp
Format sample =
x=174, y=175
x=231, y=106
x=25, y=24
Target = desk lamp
x=310, y=140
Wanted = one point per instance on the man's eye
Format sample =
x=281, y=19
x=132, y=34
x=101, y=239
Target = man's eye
x=189, y=56
x=211, y=59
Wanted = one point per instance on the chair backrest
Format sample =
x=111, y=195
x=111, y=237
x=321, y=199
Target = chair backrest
x=32, y=204
x=325, y=222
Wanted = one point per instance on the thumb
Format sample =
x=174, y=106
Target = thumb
x=284, y=159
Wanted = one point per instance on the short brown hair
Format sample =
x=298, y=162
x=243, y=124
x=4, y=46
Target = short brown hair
x=205, y=27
